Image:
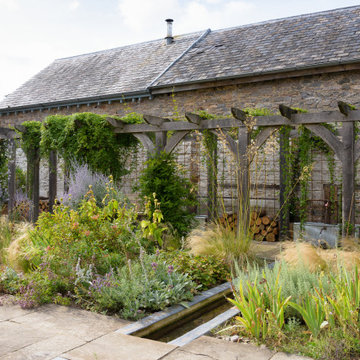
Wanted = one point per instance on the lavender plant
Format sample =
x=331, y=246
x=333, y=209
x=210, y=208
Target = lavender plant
x=82, y=178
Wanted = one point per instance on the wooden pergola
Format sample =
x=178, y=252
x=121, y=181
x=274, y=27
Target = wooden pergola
x=347, y=149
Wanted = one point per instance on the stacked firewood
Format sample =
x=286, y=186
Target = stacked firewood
x=228, y=221
x=22, y=208
x=262, y=227
x=43, y=205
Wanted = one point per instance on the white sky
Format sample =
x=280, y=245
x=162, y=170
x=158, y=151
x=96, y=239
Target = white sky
x=35, y=32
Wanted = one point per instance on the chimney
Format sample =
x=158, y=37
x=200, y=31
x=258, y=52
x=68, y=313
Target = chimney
x=169, y=37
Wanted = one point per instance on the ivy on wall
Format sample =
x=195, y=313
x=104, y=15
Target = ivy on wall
x=30, y=137
x=87, y=138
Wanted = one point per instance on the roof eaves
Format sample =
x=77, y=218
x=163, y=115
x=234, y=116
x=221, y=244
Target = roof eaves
x=77, y=102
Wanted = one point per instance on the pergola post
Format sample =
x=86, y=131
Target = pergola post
x=52, y=179
x=243, y=164
x=285, y=177
x=284, y=221
x=211, y=163
x=12, y=177
x=243, y=179
x=35, y=181
x=348, y=172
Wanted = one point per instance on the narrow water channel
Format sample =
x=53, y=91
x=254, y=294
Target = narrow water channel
x=176, y=330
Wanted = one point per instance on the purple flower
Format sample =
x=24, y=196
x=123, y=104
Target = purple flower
x=154, y=265
x=170, y=269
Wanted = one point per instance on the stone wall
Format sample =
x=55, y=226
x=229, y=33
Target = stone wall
x=314, y=93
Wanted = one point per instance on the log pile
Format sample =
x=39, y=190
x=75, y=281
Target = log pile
x=43, y=205
x=263, y=227
x=22, y=208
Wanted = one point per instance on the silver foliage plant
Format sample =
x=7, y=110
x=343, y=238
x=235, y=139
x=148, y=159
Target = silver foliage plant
x=81, y=179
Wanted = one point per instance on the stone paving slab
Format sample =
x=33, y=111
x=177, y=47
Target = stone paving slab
x=49, y=331
x=70, y=321
x=120, y=346
x=216, y=349
x=15, y=336
x=45, y=349
x=10, y=312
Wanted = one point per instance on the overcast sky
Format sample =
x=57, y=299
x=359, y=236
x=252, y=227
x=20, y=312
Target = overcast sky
x=35, y=32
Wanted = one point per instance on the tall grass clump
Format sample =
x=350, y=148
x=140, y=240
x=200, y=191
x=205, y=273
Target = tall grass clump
x=6, y=233
x=222, y=242
x=19, y=245
x=315, y=258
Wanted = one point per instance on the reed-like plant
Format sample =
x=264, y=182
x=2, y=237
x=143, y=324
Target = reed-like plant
x=262, y=308
x=312, y=313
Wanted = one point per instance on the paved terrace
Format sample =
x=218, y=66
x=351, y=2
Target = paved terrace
x=58, y=332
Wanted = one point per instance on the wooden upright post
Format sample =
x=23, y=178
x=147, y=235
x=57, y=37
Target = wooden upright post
x=348, y=171
x=348, y=178
x=243, y=178
x=211, y=162
x=285, y=171
x=35, y=185
x=11, y=177
x=160, y=141
x=52, y=179
x=284, y=180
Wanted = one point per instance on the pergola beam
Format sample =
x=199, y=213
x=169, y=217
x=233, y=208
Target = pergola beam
x=266, y=121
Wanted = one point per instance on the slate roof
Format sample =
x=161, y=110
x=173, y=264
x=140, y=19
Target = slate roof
x=305, y=41
x=121, y=70
x=318, y=39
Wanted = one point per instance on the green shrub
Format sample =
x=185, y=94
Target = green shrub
x=9, y=280
x=205, y=271
x=163, y=177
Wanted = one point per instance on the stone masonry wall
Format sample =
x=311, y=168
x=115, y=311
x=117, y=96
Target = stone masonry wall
x=314, y=93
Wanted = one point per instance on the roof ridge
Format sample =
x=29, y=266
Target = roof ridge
x=125, y=46
x=203, y=35
x=306, y=15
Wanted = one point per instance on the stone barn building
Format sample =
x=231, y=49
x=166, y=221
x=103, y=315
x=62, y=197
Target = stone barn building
x=308, y=61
